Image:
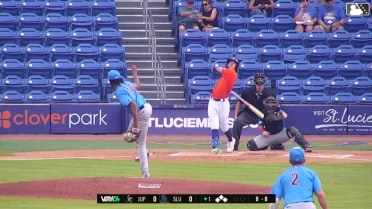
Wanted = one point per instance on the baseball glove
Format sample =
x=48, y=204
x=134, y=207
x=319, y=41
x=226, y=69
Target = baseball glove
x=132, y=136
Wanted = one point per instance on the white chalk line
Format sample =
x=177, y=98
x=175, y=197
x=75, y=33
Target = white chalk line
x=197, y=154
x=63, y=158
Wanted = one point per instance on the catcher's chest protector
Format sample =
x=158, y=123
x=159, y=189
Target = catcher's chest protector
x=273, y=122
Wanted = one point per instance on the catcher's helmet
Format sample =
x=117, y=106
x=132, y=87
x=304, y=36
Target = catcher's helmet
x=234, y=59
x=259, y=78
x=271, y=104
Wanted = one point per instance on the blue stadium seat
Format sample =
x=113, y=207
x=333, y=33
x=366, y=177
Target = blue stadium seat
x=111, y=98
x=198, y=83
x=294, y=53
x=12, y=96
x=31, y=20
x=258, y=22
x=61, y=51
x=266, y=37
x=13, y=67
x=196, y=67
x=81, y=21
x=291, y=37
x=90, y=67
x=269, y=52
x=369, y=24
x=338, y=38
x=30, y=36
x=108, y=36
x=86, y=96
x=282, y=23
x=86, y=82
x=344, y=53
x=248, y=68
x=315, y=98
x=39, y=67
x=300, y=69
x=36, y=96
x=201, y=97
x=87, y=51
x=351, y=69
x=10, y=6
x=289, y=98
x=246, y=52
x=217, y=63
x=191, y=36
x=81, y=36
x=78, y=7
x=365, y=99
x=13, y=51
x=114, y=64
x=8, y=36
x=193, y=51
x=248, y=82
x=275, y=69
x=217, y=36
x=62, y=83
x=112, y=51
x=319, y=53
x=337, y=84
x=234, y=7
x=56, y=20
x=9, y=21
x=33, y=6
x=60, y=96
x=36, y=51
x=343, y=98
x=13, y=83
x=105, y=20
x=361, y=85
x=313, y=84
x=220, y=51
x=65, y=67
x=361, y=38
x=37, y=83
x=326, y=69
x=355, y=23
x=242, y=36
x=364, y=54
x=233, y=22
x=368, y=70
x=284, y=7
x=288, y=84
x=55, y=6
x=103, y=6
x=238, y=86
x=315, y=37
x=56, y=36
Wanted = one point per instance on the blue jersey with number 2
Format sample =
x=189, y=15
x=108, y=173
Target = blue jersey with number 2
x=297, y=184
x=127, y=93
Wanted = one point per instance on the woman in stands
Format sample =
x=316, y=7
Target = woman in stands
x=264, y=7
x=305, y=16
x=208, y=18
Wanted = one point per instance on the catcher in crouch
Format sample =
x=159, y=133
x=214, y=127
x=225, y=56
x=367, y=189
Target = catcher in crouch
x=273, y=129
x=128, y=96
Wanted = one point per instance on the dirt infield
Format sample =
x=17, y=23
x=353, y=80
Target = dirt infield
x=88, y=188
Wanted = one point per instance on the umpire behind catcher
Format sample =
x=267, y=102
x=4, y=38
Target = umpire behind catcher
x=255, y=95
x=297, y=184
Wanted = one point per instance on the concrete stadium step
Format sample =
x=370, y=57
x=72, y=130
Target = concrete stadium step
x=146, y=55
x=170, y=94
x=142, y=26
x=144, y=40
x=150, y=71
x=145, y=48
x=172, y=81
x=139, y=17
x=144, y=63
x=142, y=32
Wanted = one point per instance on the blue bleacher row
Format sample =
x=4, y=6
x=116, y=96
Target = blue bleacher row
x=65, y=7
x=291, y=90
x=56, y=20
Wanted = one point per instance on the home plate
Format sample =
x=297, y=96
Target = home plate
x=149, y=185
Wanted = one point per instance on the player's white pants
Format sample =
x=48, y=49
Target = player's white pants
x=218, y=114
x=143, y=124
x=300, y=205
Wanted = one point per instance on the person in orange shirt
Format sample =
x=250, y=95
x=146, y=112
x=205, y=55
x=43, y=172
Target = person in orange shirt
x=219, y=105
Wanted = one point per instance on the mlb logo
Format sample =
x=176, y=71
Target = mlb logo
x=357, y=9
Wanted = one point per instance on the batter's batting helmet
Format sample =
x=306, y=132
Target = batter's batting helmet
x=259, y=78
x=234, y=59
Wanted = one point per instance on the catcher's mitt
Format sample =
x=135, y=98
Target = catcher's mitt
x=132, y=136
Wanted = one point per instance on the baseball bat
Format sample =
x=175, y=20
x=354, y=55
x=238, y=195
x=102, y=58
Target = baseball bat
x=249, y=105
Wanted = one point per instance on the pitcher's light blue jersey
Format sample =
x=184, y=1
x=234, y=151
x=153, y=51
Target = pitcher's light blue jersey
x=297, y=184
x=127, y=93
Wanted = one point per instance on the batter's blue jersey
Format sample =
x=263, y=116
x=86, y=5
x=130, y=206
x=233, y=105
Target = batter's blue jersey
x=297, y=184
x=127, y=93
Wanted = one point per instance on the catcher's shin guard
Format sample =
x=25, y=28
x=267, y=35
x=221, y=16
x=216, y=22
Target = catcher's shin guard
x=252, y=146
x=298, y=137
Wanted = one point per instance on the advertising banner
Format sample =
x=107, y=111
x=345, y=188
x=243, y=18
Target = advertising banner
x=359, y=120
x=88, y=118
x=27, y=119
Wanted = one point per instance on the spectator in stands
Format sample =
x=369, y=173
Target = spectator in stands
x=208, y=18
x=188, y=17
x=264, y=7
x=305, y=16
x=331, y=17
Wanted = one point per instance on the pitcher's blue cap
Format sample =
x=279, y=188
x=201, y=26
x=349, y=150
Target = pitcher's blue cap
x=296, y=154
x=113, y=75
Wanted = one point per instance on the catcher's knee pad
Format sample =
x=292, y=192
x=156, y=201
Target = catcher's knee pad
x=252, y=146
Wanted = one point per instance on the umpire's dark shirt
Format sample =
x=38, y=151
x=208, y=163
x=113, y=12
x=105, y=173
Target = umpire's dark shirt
x=250, y=95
